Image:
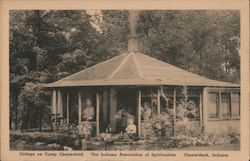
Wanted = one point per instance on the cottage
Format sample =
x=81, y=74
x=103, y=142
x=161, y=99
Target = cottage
x=132, y=80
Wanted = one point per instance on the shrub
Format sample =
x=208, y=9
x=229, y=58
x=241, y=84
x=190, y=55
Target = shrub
x=234, y=136
x=85, y=129
x=161, y=124
x=186, y=135
x=181, y=141
x=108, y=139
x=196, y=138
x=46, y=137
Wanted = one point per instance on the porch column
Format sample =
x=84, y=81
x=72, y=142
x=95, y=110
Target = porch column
x=200, y=106
x=54, y=105
x=59, y=103
x=79, y=108
x=139, y=113
x=104, y=110
x=174, y=110
x=231, y=104
x=219, y=109
x=158, y=102
x=53, y=102
x=205, y=99
x=97, y=114
x=67, y=107
x=113, y=109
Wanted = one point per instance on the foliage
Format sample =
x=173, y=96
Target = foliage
x=194, y=136
x=158, y=129
x=234, y=136
x=33, y=104
x=108, y=140
x=69, y=129
x=186, y=134
x=85, y=129
x=161, y=124
x=79, y=132
x=181, y=141
x=186, y=108
x=46, y=137
x=228, y=136
x=194, y=40
x=46, y=45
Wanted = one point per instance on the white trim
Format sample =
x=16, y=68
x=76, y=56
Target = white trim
x=67, y=107
x=201, y=110
x=174, y=109
x=79, y=108
x=139, y=113
x=137, y=66
x=119, y=67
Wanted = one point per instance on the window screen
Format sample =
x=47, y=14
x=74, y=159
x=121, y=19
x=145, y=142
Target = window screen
x=225, y=105
x=213, y=105
x=235, y=104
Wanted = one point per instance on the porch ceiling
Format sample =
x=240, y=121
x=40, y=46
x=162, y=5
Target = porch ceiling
x=136, y=69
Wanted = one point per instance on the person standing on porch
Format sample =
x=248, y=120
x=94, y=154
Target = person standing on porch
x=89, y=111
x=146, y=111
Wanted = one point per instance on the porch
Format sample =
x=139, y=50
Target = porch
x=69, y=103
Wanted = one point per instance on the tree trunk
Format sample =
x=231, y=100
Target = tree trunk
x=16, y=113
x=22, y=122
x=27, y=120
x=40, y=120
x=10, y=122
x=27, y=116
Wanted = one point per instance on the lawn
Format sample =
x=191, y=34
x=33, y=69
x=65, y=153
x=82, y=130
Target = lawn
x=21, y=145
x=64, y=141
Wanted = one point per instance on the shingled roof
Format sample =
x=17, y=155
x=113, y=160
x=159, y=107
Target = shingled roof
x=135, y=68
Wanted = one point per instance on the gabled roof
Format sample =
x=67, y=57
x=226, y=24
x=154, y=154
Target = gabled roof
x=136, y=69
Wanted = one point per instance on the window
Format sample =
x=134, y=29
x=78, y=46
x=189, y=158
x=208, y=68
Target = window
x=213, y=105
x=189, y=108
x=235, y=104
x=193, y=107
x=148, y=103
x=224, y=105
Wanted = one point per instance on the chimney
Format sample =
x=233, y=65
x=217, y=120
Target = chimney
x=132, y=43
x=133, y=17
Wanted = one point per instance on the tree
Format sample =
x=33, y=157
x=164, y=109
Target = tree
x=47, y=45
x=33, y=102
x=199, y=41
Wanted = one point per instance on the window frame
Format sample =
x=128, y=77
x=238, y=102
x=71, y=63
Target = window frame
x=221, y=91
x=193, y=92
x=218, y=110
x=236, y=117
